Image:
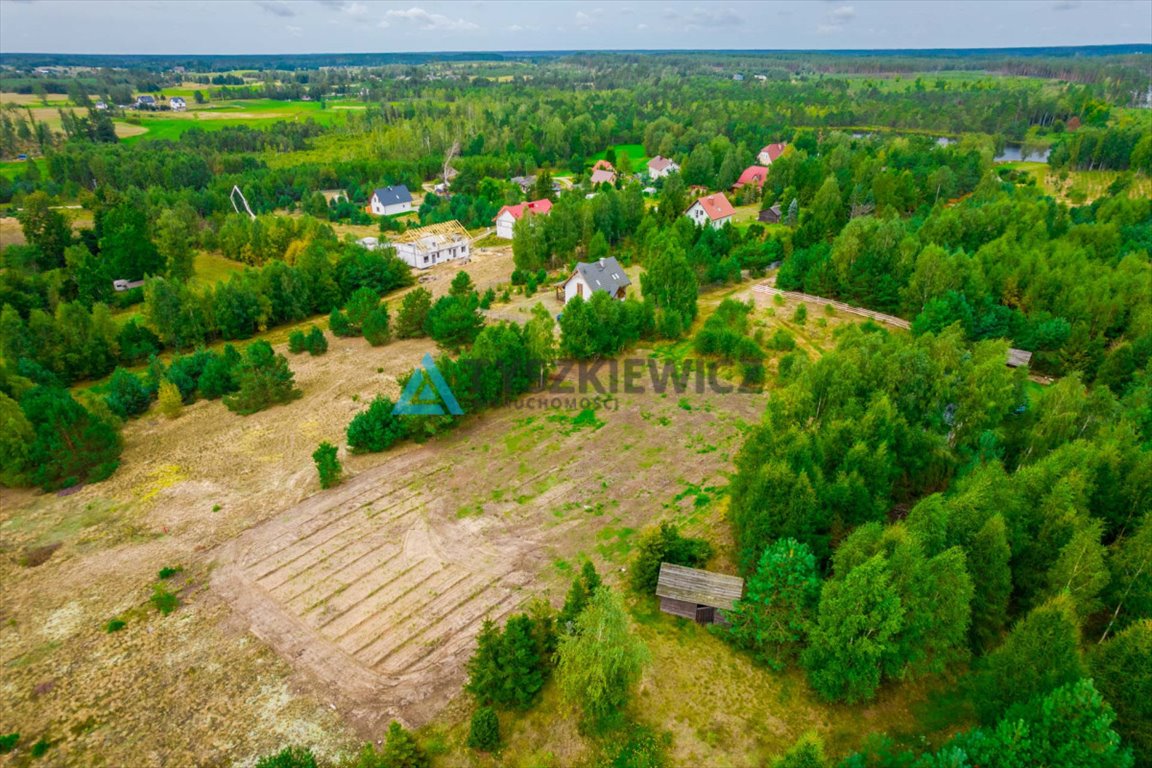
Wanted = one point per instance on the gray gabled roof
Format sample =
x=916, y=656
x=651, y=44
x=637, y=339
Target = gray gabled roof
x=393, y=195
x=604, y=275
x=692, y=585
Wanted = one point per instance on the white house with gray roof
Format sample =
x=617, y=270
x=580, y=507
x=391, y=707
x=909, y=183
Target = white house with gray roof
x=604, y=275
x=389, y=201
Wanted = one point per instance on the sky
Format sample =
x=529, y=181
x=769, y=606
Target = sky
x=355, y=26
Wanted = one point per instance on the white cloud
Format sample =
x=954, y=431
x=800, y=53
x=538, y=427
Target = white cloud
x=294, y=30
x=712, y=16
x=426, y=20
x=279, y=8
x=844, y=13
x=641, y=26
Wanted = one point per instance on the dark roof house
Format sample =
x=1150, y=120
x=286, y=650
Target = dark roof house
x=699, y=595
x=393, y=195
x=770, y=215
x=602, y=275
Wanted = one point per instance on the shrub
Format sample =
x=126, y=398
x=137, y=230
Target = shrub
x=484, y=733
x=265, y=379
x=115, y=625
x=297, y=342
x=289, y=757
x=8, y=742
x=169, y=571
x=127, y=395
x=376, y=429
x=169, y=401
x=375, y=326
x=413, y=313
x=163, y=600
x=327, y=465
x=800, y=316
x=317, y=342
x=339, y=325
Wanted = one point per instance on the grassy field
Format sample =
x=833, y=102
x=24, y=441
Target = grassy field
x=635, y=153
x=1079, y=187
x=221, y=114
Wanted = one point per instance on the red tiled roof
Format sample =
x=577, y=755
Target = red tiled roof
x=754, y=175
x=716, y=206
x=774, y=151
x=603, y=165
x=539, y=207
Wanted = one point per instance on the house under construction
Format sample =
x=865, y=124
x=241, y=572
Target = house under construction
x=434, y=244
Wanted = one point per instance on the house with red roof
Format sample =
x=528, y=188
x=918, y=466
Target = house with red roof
x=711, y=209
x=753, y=176
x=508, y=216
x=769, y=154
x=604, y=165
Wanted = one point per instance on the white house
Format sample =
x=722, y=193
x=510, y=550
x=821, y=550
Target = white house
x=388, y=201
x=604, y=275
x=434, y=244
x=508, y=216
x=145, y=102
x=659, y=167
x=101, y=105
x=177, y=104
x=712, y=209
x=769, y=153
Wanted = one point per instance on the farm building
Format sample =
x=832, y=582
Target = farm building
x=434, y=244
x=177, y=104
x=126, y=285
x=769, y=153
x=659, y=167
x=770, y=215
x=604, y=275
x=714, y=209
x=754, y=175
x=388, y=201
x=702, y=596
x=508, y=216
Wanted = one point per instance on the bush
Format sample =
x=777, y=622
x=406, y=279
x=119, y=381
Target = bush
x=127, y=395
x=376, y=429
x=413, y=314
x=8, y=742
x=339, y=325
x=665, y=545
x=800, y=316
x=327, y=465
x=289, y=757
x=375, y=326
x=317, y=342
x=297, y=342
x=169, y=571
x=115, y=625
x=163, y=600
x=484, y=733
x=265, y=379
x=169, y=401
x=781, y=341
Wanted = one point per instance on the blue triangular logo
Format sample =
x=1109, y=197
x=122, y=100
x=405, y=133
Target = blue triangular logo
x=425, y=392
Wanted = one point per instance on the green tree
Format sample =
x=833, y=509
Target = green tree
x=858, y=621
x=71, y=445
x=484, y=731
x=669, y=284
x=807, y=752
x=413, y=312
x=175, y=239
x=297, y=342
x=127, y=395
x=584, y=586
x=1080, y=570
x=540, y=336
x=168, y=399
x=327, y=465
x=376, y=429
x=988, y=558
x=264, y=380
x=16, y=435
x=1121, y=670
x=521, y=668
x=1040, y=654
x=339, y=324
x=462, y=285
x=401, y=750
x=316, y=342
x=776, y=613
x=664, y=545
x=375, y=327
x=453, y=323
x=45, y=228
x=289, y=757
x=600, y=663
x=484, y=673
x=362, y=303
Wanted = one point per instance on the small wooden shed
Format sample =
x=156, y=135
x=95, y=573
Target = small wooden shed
x=702, y=596
x=1018, y=358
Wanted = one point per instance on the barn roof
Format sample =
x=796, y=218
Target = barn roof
x=692, y=585
x=1018, y=358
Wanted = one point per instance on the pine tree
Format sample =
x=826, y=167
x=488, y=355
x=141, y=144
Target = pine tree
x=127, y=395
x=484, y=675
x=808, y=752
x=339, y=324
x=375, y=327
x=988, y=559
x=169, y=400
x=376, y=429
x=401, y=750
x=582, y=590
x=316, y=342
x=297, y=342
x=264, y=378
x=484, y=732
x=327, y=464
x=413, y=312
x=521, y=666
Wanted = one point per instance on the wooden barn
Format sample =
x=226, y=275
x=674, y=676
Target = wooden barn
x=702, y=596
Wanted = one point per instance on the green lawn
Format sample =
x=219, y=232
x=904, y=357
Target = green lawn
x=253, y=112
x=212, y=268
x=14, y=169
x=635, y=153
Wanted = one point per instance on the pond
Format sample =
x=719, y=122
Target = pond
x=1015, y=152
